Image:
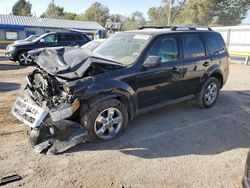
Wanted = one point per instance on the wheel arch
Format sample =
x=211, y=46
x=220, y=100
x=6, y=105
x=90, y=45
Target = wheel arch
x=219, y=76
x=113, y=90
x=213, y=71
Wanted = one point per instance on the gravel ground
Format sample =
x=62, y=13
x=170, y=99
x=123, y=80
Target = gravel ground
x=177, y=146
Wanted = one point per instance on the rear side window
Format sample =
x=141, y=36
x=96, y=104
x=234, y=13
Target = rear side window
x=193, y=46
x=63, y=38
x=68, y=37
x=215, y=43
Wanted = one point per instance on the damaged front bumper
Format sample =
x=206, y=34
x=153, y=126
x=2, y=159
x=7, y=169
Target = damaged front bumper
x=27, y=111
x=50, y=131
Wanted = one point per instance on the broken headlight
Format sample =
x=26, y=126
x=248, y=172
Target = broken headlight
x=64, y=112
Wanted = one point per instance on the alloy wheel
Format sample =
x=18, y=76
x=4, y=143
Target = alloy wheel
x=25, y=59
x=108, y=123
x=211, y=93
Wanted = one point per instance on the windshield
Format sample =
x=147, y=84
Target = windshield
x=33, y=37
x=123, y=47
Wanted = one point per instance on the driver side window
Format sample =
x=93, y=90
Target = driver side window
x=166, y=48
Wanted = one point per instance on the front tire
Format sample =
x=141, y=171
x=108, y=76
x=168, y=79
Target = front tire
x=106, y=120
x=209, y=93
x=24, y=59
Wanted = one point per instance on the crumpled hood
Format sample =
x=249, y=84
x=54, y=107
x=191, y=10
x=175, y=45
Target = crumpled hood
x=68, y=62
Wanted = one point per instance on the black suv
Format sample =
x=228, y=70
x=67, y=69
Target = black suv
x=131, y=72
x=18, y=52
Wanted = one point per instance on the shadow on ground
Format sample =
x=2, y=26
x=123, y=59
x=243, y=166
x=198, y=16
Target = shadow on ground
x=9, y=86
x=7, y=66
x=185, y=129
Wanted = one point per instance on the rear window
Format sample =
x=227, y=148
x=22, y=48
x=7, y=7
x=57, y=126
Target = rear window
x=193, y=46
x=215, y=43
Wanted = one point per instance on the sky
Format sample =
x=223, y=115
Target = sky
x=124, y=7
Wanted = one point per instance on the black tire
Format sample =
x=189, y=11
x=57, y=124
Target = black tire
x=203, y=96
x=89, y=119
x=24, y=59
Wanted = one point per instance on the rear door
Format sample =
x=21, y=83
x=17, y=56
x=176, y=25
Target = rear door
x=72, y=39
x=64, y=39
x=163, y=83
x=195, y=61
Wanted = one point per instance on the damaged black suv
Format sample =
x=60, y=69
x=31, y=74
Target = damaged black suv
x=131, y=72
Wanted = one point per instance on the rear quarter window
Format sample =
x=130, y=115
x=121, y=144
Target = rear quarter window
x=215, y=43
x=80, y=38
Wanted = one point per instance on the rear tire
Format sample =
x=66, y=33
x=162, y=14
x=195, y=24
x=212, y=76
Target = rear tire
x=106, y=120
x=209, y=93
x=24, y=59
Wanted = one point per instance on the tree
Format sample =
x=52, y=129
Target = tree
x=69, y=16
x=197, y=12
x=22, y=8
x=158, y=16
x=231, y=12
x=214, y=12
x=96, y=12
x=134, y=21
x=117, y=18
x=53, y=11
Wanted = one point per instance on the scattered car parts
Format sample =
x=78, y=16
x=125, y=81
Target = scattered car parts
x=9, y=179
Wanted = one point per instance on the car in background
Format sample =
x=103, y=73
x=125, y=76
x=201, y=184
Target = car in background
x=19, y=52
x=28, y=39
x=93, y=44
x=246, y=179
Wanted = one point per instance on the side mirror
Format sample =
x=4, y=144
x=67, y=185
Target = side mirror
x=152, y=61
x=42, y=41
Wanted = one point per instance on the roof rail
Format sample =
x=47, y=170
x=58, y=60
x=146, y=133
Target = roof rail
x=155, y=27
x=174, y=28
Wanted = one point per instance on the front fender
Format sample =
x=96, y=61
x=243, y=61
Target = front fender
x=111, y=89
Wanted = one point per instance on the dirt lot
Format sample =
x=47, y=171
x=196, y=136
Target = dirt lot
x=178, y=146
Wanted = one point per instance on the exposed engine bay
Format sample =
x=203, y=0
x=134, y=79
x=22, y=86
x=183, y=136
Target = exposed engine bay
x=49, y=103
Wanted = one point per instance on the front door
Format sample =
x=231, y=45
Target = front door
x=161, y=83
x=50, y=40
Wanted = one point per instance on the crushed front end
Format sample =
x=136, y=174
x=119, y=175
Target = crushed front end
x=51, y=104
x=47, y=107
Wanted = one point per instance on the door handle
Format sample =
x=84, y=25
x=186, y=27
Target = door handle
x=206, y=64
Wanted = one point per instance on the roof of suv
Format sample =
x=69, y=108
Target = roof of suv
x=174, y=29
